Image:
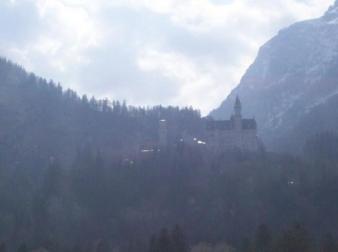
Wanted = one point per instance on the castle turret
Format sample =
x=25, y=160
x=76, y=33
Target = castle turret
x=237, y=117
x=163, y=133
x=238, y=107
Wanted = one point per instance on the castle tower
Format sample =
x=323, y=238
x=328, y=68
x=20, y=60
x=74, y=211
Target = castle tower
x=237, y=117
x=163, y=133
x=238, y=107
x=237, y=133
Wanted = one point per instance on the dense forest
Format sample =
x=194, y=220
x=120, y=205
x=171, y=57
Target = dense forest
x=40, y=120
x=72, y=178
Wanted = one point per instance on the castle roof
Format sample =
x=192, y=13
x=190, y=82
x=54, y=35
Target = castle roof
x=223, y=125
x=220, y=125
x=247, y=124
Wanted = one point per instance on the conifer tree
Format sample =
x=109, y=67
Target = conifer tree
x=296, y=239
x=245, y=245
x=153, y=244
x=23, y=248
x=329, y=244
x=164, y=241
x=179, y=240
x=263, y=240
x=3, y=247
x=102, y=246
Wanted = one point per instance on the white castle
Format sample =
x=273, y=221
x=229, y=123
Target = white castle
x=221, y=135
x=236, y=133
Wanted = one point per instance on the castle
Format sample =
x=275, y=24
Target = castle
x=236, y=133
x=219, y=135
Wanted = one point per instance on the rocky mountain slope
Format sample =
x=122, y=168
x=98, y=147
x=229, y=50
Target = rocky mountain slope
x=292, y=87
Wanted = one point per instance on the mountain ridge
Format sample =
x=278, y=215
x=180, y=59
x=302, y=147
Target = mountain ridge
x=294, y=72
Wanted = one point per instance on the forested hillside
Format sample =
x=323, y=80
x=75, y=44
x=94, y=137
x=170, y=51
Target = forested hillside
x=39, y=120
x=72, y=178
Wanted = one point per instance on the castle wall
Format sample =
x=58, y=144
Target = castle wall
x=219, y=140
x=250, y=140
x=163, y=133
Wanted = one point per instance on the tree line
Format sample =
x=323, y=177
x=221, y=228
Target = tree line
x=72, y=179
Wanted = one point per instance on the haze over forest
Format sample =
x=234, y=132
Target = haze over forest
x=80, y=173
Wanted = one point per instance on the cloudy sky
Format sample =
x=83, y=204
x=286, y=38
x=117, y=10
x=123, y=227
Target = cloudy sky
x=147, y=52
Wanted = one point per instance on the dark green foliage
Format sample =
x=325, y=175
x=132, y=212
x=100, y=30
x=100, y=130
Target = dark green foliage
x=323, y=146
x=169, y=242
x=329, y=244
x=71, y=173
x=179, y=240
x=40, y=120
x=102, y=246
x=3, y=247
x=296, y=239
x=263, y=239
x=164, y=243
x=23, y=248
x=245, y=246
x=153, y=246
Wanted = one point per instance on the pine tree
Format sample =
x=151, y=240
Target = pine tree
x=329, y=244
x=263, y=240
x=296, y=239
x=179, y=242
x=153, y=244
x=164, y=241
x=245, y=245
x=23, y=248
x=3, y=247
x=52, y=179
x=102, y=246
x=76, y=248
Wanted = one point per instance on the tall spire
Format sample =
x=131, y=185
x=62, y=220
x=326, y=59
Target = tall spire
x=238, y=107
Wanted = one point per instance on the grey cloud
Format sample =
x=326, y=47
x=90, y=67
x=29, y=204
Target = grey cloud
x=18, y=23
x=116, y=74
x=110, y=68
x=118, y=77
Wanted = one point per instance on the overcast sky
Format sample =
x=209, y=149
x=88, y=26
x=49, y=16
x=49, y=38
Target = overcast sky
x=147, y=52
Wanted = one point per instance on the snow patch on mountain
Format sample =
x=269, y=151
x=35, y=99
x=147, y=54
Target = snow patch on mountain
x=320, y=101
x=294, y=72
x=275, y=119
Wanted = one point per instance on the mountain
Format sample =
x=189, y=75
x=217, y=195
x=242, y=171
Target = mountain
x=292, y=86
x=72, y=178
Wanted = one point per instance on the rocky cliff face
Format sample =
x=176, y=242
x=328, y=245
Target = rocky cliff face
x=294, y=76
